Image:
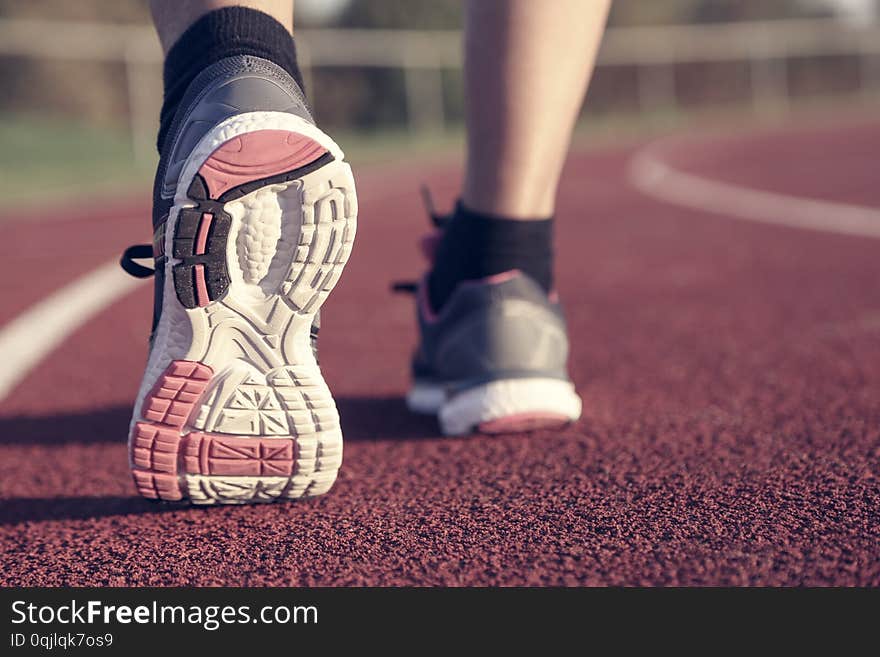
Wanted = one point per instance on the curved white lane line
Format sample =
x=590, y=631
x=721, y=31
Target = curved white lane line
x=653, y=177
x=29, y=338
x=44, y=326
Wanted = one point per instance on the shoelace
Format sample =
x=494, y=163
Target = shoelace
x=145, y=252
x=429, y=242
x=137, y=252
x=438, y=220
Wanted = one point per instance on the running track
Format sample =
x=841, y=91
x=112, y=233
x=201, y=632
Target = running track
x=730, y=371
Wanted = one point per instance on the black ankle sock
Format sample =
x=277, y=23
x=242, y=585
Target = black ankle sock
x=477, y=245
x=216, y=35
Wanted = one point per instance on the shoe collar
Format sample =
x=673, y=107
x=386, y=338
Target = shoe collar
x=430, y=315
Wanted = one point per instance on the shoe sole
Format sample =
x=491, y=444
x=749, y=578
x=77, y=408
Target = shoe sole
x=233, y=408
x=503, y=406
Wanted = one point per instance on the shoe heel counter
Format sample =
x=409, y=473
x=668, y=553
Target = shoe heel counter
x=235, y=85
x=513, y=338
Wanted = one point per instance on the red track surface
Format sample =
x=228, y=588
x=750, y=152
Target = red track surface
x=730, y=373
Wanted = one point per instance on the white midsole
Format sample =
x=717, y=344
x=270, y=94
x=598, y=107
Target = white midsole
x=459, y=413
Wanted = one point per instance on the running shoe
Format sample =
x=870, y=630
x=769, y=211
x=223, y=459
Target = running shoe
x=254, y=219
x=493, y=358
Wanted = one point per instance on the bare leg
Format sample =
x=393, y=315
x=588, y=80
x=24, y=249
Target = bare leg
x=527, y=66
x=172, y=17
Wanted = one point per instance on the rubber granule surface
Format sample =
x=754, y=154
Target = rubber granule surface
x=731, y=381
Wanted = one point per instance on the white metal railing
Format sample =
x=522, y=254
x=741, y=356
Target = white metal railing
x=423, y=55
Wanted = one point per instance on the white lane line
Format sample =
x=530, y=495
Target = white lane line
x=32, y=335
x=653, y=177
x=29, y=338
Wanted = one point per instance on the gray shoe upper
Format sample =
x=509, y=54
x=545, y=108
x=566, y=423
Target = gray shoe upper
x=490, y=331
x=232, y=86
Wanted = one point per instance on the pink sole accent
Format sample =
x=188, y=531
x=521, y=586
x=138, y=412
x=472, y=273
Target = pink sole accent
x=217, y=454
x=156, y=442
x=257, y=155
x=155, y=447
x=201, y=286
x=204, y=228
x=521, y=422
x=176, y=392
x=161, y=450
x=157, y=486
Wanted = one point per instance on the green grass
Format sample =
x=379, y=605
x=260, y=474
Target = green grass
x=49, y=160
x=46, y=159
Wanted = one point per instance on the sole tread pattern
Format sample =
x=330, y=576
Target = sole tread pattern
x=245, y=416
x=172, y=459
x=200, y=245
x=202, y=232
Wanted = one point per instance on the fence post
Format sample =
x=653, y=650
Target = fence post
x=142, y=79
x=304, y=60
x=869, y=71
x=424, y=98
x=656, y=86
x=769, y=78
